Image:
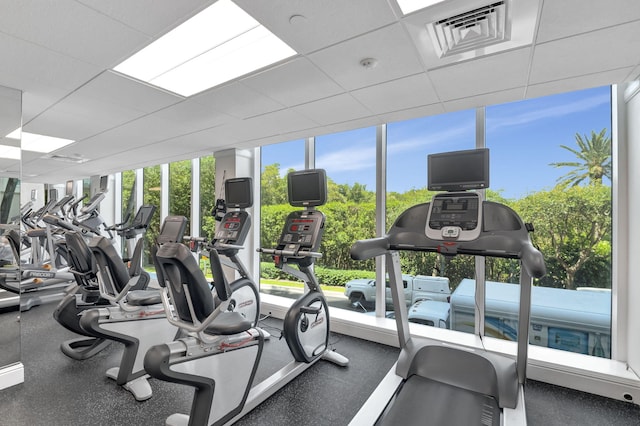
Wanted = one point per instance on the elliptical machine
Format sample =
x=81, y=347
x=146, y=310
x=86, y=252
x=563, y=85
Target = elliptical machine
x=221, y=356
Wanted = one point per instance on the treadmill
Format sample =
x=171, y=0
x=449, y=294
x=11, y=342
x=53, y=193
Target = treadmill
x=438, y=383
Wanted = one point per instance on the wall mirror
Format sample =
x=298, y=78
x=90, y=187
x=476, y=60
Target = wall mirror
x=10, y=128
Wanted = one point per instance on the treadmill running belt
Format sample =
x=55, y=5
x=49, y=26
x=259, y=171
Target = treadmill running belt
x=422, y=401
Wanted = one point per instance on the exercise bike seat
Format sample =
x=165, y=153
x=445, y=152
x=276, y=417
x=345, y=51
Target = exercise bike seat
x=143, y=297
x=228, y=323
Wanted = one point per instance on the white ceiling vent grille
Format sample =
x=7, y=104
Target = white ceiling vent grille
x=472, y=30
x=76, y=159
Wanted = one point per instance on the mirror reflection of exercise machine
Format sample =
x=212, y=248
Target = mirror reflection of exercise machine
x=221, y=356
x=436, y=383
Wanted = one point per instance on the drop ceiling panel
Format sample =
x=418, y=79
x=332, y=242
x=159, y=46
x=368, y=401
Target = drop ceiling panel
x=35, y=66
x=72, y=29
x=141, y=132
x=295, y=82
x=391, y=48
x=411, y=113
x=336, y=109
x=192, y=116
x=152, y=17
x=404, y=93
x=319, y=23
x=237, y=100
x=116, y=89
x=102, y=104
x=271, y=124
x=481, y=76
x=493, y=98
x=578, y=83
x=568, y=17
x=597, y=51
x=38, y=98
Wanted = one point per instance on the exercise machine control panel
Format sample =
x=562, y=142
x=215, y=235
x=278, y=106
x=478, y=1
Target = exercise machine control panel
x=233, y=228
x=302, y=231
x=455, y=216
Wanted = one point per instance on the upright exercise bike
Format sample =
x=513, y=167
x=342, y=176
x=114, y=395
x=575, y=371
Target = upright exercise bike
x=221, y=356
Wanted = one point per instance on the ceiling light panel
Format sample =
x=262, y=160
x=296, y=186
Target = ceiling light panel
x=219, y=44
x=42, y=143
x=10, y=152
x=408, y=6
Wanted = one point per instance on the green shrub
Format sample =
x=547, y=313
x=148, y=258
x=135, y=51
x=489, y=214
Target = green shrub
x=326, y=276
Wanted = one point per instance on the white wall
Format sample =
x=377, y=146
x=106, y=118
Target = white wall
x=633, y=231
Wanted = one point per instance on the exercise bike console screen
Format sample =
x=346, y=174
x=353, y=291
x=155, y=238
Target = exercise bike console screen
x=302, y=231
x=238, y=192
x=307, y=188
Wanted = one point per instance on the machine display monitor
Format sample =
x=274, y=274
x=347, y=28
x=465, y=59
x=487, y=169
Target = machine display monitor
x=238, y=192
x=307, y=188
x=70, y=188
x=172, y=230
x=458, y=170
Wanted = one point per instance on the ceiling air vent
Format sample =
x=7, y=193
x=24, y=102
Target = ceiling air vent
x=472, y=30
x=76, y=159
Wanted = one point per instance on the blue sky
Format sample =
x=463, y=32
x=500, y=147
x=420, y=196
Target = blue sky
x=523, y=138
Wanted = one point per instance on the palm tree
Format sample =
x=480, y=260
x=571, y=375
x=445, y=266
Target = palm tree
x=594, y=157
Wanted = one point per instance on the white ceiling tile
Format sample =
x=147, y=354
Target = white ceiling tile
x=485, y=99
x=105, y=102
x=483, y=75
x=568, y=17
x=10, y=111
x=38, y=98
x=319, y=23
x=192, y=116
x=237, y=100
x=335, y=109
x=390, y=47
x=34, y=66
x=116, y=89
x=578, y=83
x=295, y=82
x=274, y=123
x=411, y=113
x=404, y=93
x=152, y=17
x=589, y=53
x=71, y=28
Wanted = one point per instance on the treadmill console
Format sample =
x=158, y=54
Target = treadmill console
x=455, y=216
x=233, y=228
x=302, y=231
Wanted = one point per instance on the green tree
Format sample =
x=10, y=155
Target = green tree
x=180, y=190
x=573, y=231
x=208, y=195
x=273, y=187
x=594, y=160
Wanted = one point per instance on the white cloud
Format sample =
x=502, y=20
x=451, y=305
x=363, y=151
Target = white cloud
x=538, y=114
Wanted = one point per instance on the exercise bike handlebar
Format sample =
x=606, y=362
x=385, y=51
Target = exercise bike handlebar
x=290, y=253
x=225, y=246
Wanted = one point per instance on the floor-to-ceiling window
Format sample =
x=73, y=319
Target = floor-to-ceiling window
x=276, y=161
x=180, y=191
x=151, y=195
x=551, y=162
x=349, y=158
x=207, y=195
x=408, y=145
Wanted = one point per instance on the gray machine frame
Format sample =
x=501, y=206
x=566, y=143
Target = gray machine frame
x=470, y=370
